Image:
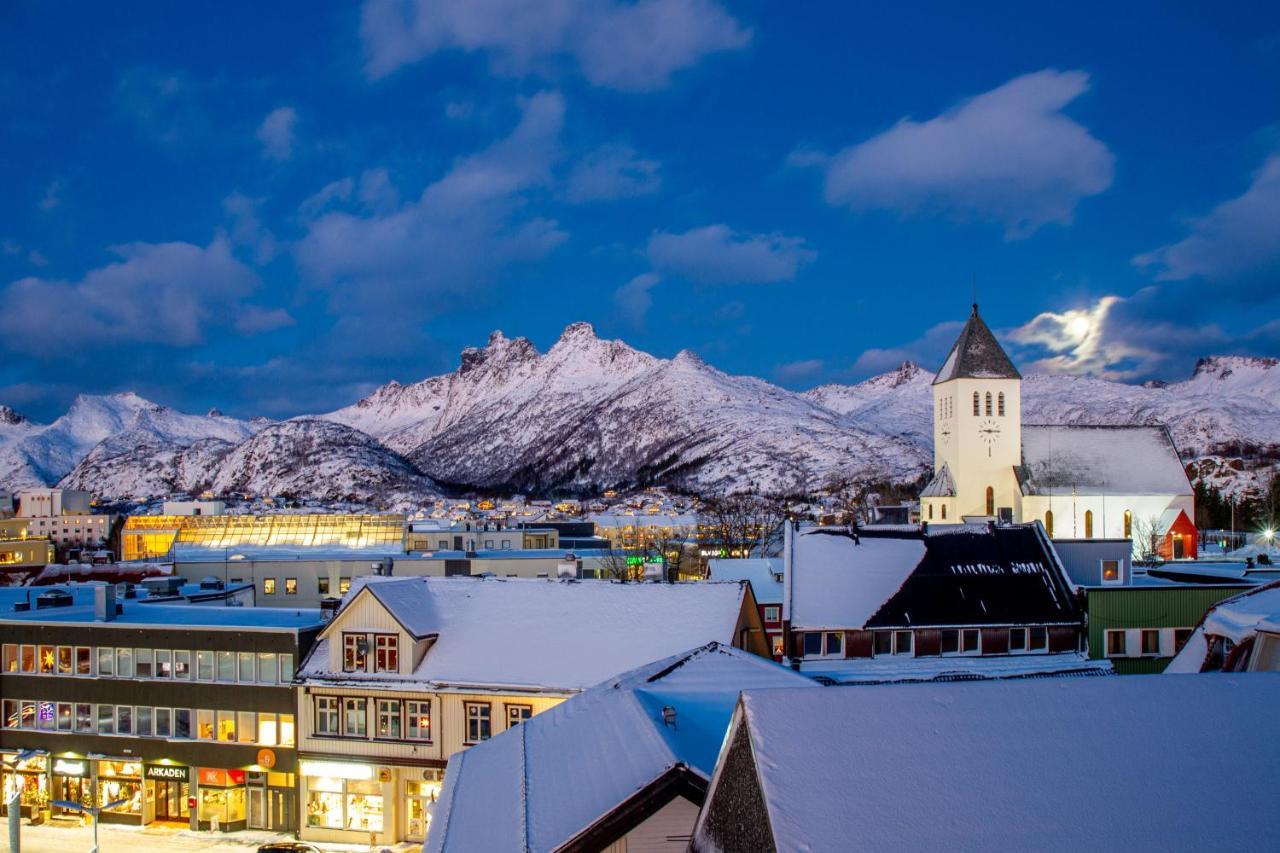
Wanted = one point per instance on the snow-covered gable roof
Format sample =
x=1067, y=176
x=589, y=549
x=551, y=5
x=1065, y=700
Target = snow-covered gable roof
x=762, y=572
x=839, y=584
x=1237, y=618
x=1020, y=765
x=536, y=634
x=609, y=743
x=941, y=486
x=1100, y=460
x=976, y=354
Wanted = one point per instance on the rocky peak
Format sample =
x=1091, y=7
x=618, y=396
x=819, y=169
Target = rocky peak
x=9, y=416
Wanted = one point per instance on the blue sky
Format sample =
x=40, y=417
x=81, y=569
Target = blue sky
x=273, y=208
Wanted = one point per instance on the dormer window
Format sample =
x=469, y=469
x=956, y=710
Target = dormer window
x=355, y=652
x=386, y=654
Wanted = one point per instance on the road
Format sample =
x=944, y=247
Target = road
x=129, y=839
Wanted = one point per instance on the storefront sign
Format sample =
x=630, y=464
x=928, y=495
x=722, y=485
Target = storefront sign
x=168, y=772
x=266, y=758
x=337, y=770
x=63, y=767
x=213, y=776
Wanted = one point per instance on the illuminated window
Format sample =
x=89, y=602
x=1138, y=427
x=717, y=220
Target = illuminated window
x=268, y=586
x=1048, y=522
x=290, y=586
x=991, y=501
x=355, y=651
x=1088, y=524
x=944, y=512
x=419, y=719
x=1128, y=524
x=1115, y=644
x=389, y=718
x=386, y=653
x=1111, y=571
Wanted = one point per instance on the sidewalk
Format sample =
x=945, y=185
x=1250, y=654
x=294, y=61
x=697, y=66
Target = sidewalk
x=59, y=838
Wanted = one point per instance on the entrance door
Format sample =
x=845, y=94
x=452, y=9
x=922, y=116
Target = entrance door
x=257, y=816
x=171, y=802
x=279, y=810
x=1177, y=548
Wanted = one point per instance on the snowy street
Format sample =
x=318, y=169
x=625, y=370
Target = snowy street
x=126, y=839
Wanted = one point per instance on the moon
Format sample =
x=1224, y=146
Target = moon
x=1079, y=326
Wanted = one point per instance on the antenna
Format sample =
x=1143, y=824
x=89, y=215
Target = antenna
x=975, y=291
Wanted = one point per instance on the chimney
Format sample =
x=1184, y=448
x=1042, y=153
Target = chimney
x=104, y=602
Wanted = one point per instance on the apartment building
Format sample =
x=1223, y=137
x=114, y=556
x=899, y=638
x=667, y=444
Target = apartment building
x=62, y=516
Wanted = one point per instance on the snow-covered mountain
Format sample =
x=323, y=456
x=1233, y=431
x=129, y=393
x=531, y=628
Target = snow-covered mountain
x=591, y=414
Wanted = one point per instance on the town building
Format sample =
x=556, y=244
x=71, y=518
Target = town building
x=639, y=747
x=472, y=536
x=62, y=516
x=1107, y=764
x=1080, y=482
x=20, y=549
x=151, y=537
x=1238, y=634
x=979, y=600
x=765, y=576
x=175, y=713
x=410, y=671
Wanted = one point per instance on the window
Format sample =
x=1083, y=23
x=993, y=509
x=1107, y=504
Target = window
x=1000, y=404
x=143, y=663
x=1128, y=524
x=344, y=586
x=326, y=715
x=442, y=544
x=64, y=660
x=268, y=586
x=478, y=727
x=11, y=657
x=226, y=725
x=775, y=645
x=204, y=725
x=771, y=613
x=11, y=715
x=812, y=644
x=517, y=714
x=1048, y=522
x=991, y=501
x=182, y=664
x=882, y=643
x=142, y=721
x=1088, y=524
x=124, y=663
x=226, y=666
x=355, y=717
x=1111, y=571
x=290, y=586
x=84, y=717
x=969, y=641
x=902, y=642
x=988, y=410
x=84, y=660
x=418, y=715
x=287, y=732
x=246, y=668
x=389, y=718
x=488, y=544
x=975, y=403
x=124, y=719
x=931, y=512
x=959, y=641
x=944, y=512
x=182, y=722
x=162, y=720
x=47, y=659
x=355, y=650
x=64, y=716
x=1017, y=639
x=269, y=733
x=204, y=666
x=834, y=644
x=106, y=719
x=1039, y=639
x=1115, y=644
x=386, y=653
x=1180, y=637
x=246, y=725
x=1151, y=642
x=268, y=669
x=286, y=669
x=322, y=586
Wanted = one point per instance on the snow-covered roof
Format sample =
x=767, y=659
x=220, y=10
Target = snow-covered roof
x=511, y=792
x=976, y=354
x=839, y=584
x=135, y=613
x=903, y=668
x=536, y=634
x=1237, y=618
x=762, y=572
x=1049, y=765
x=941, y=486
x=1100, y=460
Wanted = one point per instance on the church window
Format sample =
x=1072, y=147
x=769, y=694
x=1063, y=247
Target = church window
x=988, y=404
x=1000, y=404
x=1048, y=522
x=975, y=403
x=931, y=512
x=944, y=512
x=1088, y=524
x=1128, y=524
x=991, y=501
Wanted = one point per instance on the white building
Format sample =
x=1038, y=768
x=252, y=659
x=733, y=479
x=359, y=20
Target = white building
x=63, y=517
x=1080, y=482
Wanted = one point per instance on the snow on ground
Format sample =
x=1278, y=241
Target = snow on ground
x=61, y=837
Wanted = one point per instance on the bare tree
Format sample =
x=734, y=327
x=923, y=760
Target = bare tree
x=678, y=556
x=742, y=524
x=1146, y=537
x=614, y=564
x=851, y=500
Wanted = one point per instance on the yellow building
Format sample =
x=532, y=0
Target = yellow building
x=151, y=537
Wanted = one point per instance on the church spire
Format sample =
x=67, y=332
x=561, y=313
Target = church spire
x=976, y=354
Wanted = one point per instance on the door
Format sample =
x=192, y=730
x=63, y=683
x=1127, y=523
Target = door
x=257, y=816
x=1177, y=547
x=279, y=810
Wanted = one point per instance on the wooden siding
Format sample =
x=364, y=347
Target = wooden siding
x=667, y=831
x=857, y=644
x=1126, y=608
x=367, y=615
x=995, y=641
x=928, y=642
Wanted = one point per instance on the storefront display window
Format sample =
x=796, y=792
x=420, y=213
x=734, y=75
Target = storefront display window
x=334, y=802
x=29, y=778
x=364, y=805
x=324, y=803
x=223, y=805
x=120, y=787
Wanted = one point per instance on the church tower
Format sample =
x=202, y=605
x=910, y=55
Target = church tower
x=977, y=430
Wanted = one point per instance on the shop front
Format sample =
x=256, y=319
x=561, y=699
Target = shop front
x=220, y=799
x=121, y=794
x=28, y=774
x=273, y=800
x=420, y=795
x=347, y=802
x=168, y=791
x=71, y=784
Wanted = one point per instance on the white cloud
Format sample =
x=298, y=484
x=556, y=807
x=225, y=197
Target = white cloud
x=1009, y=156
x=634, y=299
x=715, y=254
x=622, y=45
x=927, y=351
x=798, y=371
x=1236, y=243
x=334, y=191
x=159, y=293
x=457, y=234
x=613, y=172
x=276, y=133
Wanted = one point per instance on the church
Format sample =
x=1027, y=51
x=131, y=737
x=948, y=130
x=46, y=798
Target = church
x=1080, y=482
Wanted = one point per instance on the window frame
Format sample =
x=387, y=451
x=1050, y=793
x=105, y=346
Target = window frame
x=517, y=711
x=386, y=653
x=1111, y=633
x=390, y=710
x=329, y=710
x=773, y=609
x=423, y=712
x=1102, y=572
x=355, y=707
x=481, y=722
x=355, y=651
x=1146, y=634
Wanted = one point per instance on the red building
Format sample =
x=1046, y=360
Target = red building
x=1177, y=536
